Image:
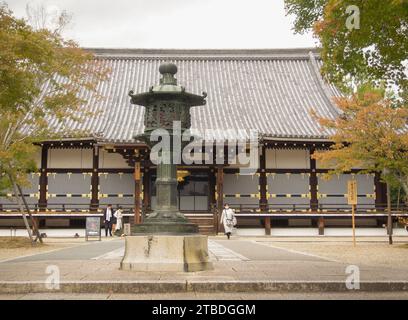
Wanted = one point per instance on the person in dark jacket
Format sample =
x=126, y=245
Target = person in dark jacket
x=108, y=219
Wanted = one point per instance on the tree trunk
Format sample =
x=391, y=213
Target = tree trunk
x=20, y=205
x=389, y=219
x=33, y=222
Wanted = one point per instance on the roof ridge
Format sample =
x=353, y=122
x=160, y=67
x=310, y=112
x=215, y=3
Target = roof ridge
x=204, y=53
x=321, y=82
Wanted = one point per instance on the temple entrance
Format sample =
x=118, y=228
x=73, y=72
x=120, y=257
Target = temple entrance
x=193, y=190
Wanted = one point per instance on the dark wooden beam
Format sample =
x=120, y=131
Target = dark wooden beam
x=380, y=191
x=268, y=226
x=313, y=183
x=69, y=144
x=320, y=225
x=212, y=182
x=42, y=201
x=289, y=170
x=220, y=190
x=281, y=144
x=95, y=180
x=263, y=182
x=313, y=189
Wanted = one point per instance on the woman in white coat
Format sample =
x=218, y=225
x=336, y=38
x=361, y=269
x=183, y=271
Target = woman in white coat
x=119, y=216
x=228, y=220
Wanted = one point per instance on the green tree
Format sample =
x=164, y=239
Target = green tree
x=40, y=77
x=376, y=52
x=371, y=133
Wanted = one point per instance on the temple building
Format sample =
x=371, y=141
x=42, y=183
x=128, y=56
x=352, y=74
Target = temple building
x=270, y=91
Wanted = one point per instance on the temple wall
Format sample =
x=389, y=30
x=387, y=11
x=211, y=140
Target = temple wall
x=37, y=157
x=111, y=160
x=241, y=189
x=71, y=189
x=287, y=188
x=283, y=189
x=287, y=159
x=117, y=188
x=31, y=192
x=70, y=158
x=334, y=191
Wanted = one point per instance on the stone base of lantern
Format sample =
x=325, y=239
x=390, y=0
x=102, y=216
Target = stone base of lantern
x=164, y=228
x=165, y=222
x=177, y=253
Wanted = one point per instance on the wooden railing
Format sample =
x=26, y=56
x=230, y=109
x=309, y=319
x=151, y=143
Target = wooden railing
x=322, y=208
x=239, y=208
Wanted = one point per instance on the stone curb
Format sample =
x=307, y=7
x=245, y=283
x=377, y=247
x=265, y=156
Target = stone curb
x=19, y=287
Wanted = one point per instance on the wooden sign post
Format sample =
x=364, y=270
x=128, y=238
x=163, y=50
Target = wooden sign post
x=352, y=200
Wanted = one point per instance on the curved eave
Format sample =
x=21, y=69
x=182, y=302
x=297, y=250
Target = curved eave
x=147, y=98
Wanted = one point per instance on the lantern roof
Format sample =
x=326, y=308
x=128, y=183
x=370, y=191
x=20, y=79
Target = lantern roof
x=167, y=90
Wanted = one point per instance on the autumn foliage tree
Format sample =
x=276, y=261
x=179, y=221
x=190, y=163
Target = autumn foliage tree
x=30, y=61
x=360, y=40
x=371, y=133
x=363, y=44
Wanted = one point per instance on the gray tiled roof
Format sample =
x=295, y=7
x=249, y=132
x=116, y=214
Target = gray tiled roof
x=271, y=91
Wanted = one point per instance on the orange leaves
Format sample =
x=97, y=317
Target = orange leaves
x=371, y=133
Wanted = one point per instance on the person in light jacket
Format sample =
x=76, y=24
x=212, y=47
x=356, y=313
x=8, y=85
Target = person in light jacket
x=118, y=215
x=228, y=220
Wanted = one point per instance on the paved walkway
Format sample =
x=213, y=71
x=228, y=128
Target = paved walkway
x=239, y=259
x=276, y=232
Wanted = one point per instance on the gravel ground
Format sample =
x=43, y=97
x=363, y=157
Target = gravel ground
x=49, y=244
x=364, y=254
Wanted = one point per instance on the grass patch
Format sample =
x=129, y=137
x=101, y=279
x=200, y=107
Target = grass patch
x=403, y=246
x=16, y=242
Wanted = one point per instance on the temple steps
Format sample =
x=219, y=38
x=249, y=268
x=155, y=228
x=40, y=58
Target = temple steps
x=205, y=223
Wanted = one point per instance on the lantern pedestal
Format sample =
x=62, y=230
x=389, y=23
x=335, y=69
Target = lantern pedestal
x=177, y=253
x=165, y=227
x=166, y=218
x=166, y=240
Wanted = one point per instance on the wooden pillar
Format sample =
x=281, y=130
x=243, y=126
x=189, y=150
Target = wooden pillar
x=211, y=186
x=380, y=192
x=42, y=201
x=263, y=184
x=380, y=197
x=263, y=189
x=220, y=191
x=268, y=226
x=146, y=188
x=313, y=183
x=137, y=219
x=313, y=188
x=211, y=198
x=320, y=225
x=95, y=179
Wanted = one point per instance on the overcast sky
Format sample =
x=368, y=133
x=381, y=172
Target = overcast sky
x=176, y=23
